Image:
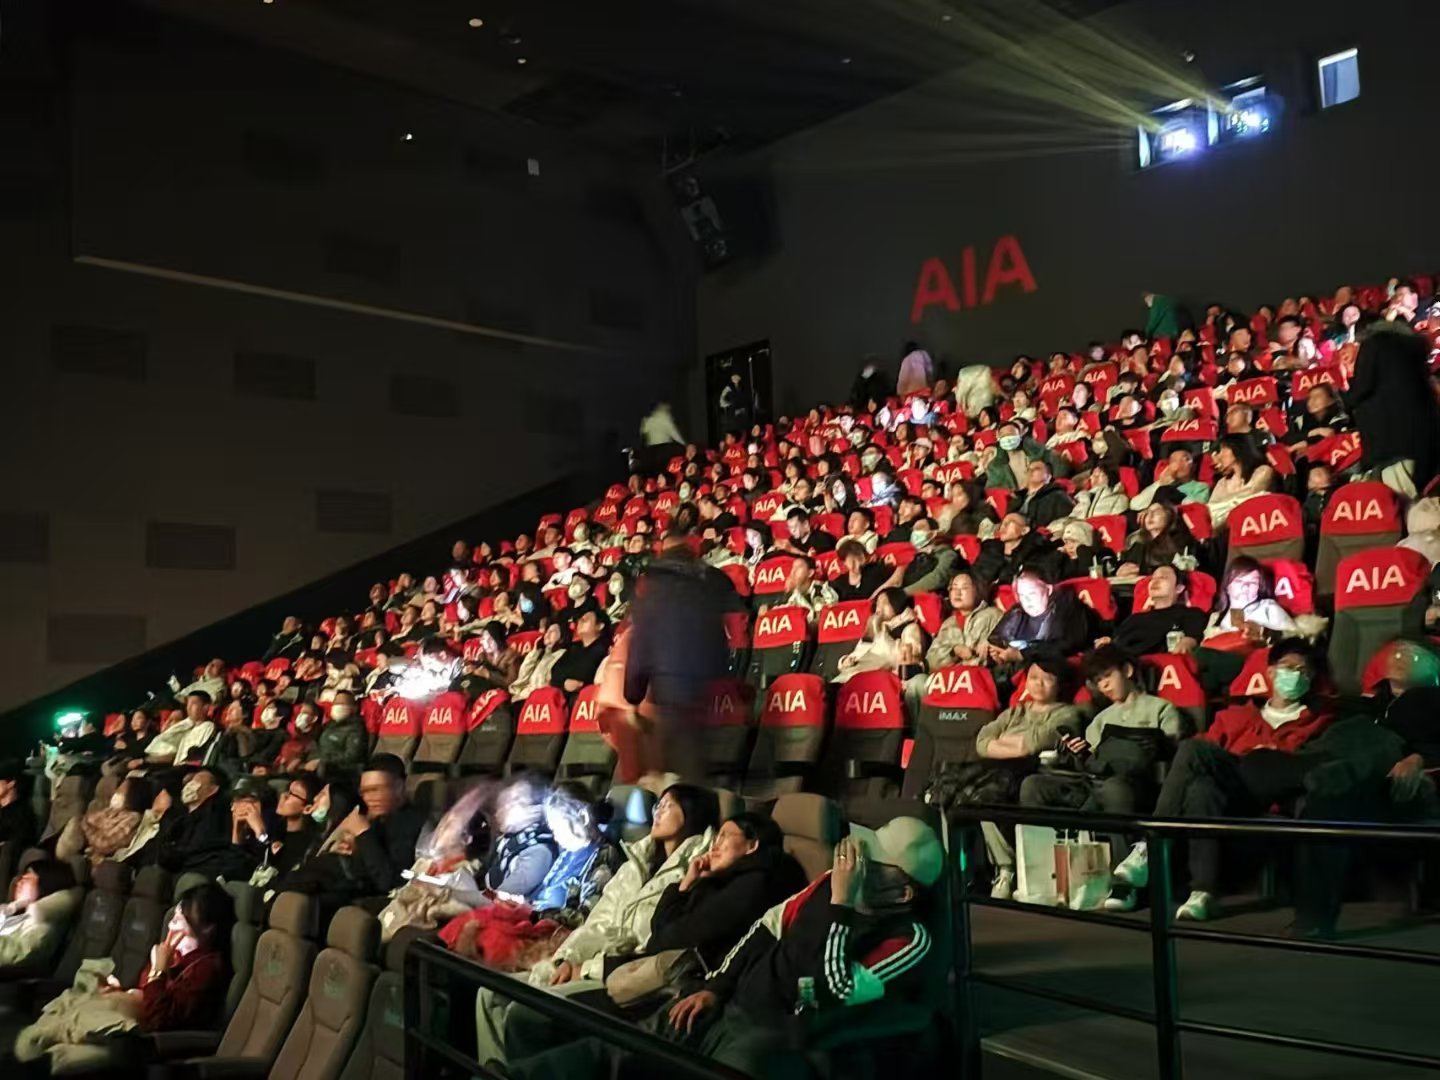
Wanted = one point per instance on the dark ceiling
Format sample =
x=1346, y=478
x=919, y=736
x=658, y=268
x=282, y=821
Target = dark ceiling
x=633, y=75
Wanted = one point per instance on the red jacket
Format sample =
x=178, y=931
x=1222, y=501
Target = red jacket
x=1240, y=729
x=186, y=996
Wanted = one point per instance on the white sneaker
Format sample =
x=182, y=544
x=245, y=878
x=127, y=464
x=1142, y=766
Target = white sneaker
x=1199, y=907
x=1004, y=885
x=1134, y=869
x=1123, y=901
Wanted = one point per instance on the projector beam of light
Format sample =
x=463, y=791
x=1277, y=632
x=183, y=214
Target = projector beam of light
x=1026, y=82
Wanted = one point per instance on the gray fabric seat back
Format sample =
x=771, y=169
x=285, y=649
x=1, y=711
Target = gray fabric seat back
x=329, y=1023
x=283, y=959
x=142, y=924
x=244, y=937
x=379, y=1053
x=98, y=923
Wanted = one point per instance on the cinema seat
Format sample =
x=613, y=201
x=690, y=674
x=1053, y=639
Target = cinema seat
x=812, y=825
x=398, y=731
x=442, y=731
x=489, y=733
x=1380, y=594
x=379, y=1052
x=587, y=758
x=838, y=628
x=789, y=738
x=1361, y=514
x=539, y=732
x=141, y=923
x=725, y=733
x=1267, y=527
x=1175, y=678
x=869, y=728
x=329, y=1023
x=772, y=577
x=958, y=701
x=779, y=645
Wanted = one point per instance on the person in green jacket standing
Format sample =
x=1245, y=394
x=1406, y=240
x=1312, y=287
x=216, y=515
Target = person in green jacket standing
x=1161, y=321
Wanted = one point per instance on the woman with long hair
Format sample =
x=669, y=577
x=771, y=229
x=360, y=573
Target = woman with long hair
x=1243, y=474
x=893, y=639
x=1162, y=537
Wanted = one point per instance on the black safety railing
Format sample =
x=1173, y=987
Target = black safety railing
x=428, y=1051
x=1166, y=1018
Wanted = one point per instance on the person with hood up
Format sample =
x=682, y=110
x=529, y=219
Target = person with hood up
x=682, y=828
x=916, y=370
x=1007, y=463
x=1079, y=554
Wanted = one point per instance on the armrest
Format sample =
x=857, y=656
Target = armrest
x=172, y=1045
x=211, y=1068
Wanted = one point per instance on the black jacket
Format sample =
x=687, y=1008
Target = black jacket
x=1391, y=401
x=876, y=387
x=286, y=646
x=997, y=568
x=18, y=825
x=1050, y=503
x=871, y=578
x=387, y=848
x=1060, y=630
x=717, y=910
x=677, y=634
x=1144, y=631
x=580, y=661
x=201, y=842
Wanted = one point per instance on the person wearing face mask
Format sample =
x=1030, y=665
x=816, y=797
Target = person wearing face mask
x=577, y=666
x=340, y=746
x=934, y=563
x=182, y=987
x=100, y=833
x=908, y=510
x=1008, y=462
x=1206, y=779
x=201, y=837
x=296, y=749
x=531, y=605
x=274, y=719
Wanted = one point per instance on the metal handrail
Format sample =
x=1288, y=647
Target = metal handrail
x=422, y=1046
x=1160, y=835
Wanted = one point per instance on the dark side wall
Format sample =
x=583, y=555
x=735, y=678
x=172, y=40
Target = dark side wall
x=236, y=315
x=860, y=204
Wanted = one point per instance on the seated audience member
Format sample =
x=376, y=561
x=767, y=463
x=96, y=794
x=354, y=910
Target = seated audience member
x=585, y=860
x=1208, y=779
x=804, y=589
x=867, y=914
x=200, y=840
x=963, y=635
x=860, y=527
x=1323, y=417
x=383, y=832
x=100, y=833
x=1042, y=500
x=1242, y=474
x=523, y=849
x=893, y=639
x=296, y=749
x=1165, y=613
x=1009, y=459
x=1177, y=473
x=1014, y=545
x=1162, y=538
x=743, y=874
x=211, y=683
x=1045, y=621
x=497, y=662
x=802, y=539
x=34, y=923
x=18, y=825
x=1102, y=495
x=235, y=746
x=1114, y=761
x=861, y=579
x=291, y=639
x=340, y=747
x=682, y=827
x=132, y=741
x=581, y=659
x=539, y=663
x=908, y=510
x=161, y=818
x=933, y=566
x=289, y=843
x=1246, y=616
x=1010, y=748
x=183, y=987
x=968, y=513
x=1080, y=555
x=269, y=738
x=192, y=732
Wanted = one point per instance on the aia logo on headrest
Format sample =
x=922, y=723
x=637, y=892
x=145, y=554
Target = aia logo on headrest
x=767, y=504
x=443, y=717
x=487, y=701
x=840, y=620
x=949, y=473
x=1253, y=390
x=1263, y=524
x=666, y=501
x=587, y=713
x=524, y=644
x=1056, y=384
x=951, y=680
x=1169, y=678
x=1107, y=534
x=1375, y=579
x=782, y=700
x=397, y=714
x=1358, y=511
x=1258, y=686
x=771, y=577
x=537, y=716
x=774, y=624
x=1308, y=380
x=1187, y=427
x=1344, y=447
x=864, y=703
x=723, y=704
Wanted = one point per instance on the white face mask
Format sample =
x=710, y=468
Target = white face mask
x=270, y=719
x=577, y=590
x=340, y=712
x=190, y=793
x=117, y=801
x=304, y=722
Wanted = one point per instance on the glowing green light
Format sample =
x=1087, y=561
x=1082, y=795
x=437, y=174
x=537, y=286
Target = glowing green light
x=69, y=718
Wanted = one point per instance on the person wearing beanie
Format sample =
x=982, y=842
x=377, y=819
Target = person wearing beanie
x=1080, y=555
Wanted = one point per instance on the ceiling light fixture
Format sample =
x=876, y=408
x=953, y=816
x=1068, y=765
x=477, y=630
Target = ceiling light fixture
x=946, y=18
x=475, y=24
x=845, y=60
x=520, y=60
x=408, y=137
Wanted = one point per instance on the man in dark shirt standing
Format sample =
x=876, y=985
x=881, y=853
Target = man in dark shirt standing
x=17, y=816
